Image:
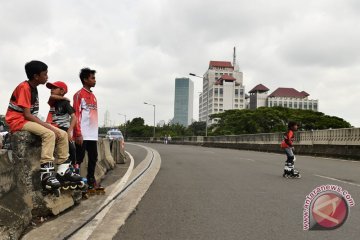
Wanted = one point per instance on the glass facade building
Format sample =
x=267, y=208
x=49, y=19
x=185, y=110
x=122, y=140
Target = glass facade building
x=183, y=104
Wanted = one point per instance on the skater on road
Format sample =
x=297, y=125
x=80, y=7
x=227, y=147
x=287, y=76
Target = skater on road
x=62, y=115
x=288, y=146
x=86, y=128
x=22, y=116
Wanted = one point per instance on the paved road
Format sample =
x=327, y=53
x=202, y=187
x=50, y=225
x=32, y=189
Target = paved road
x=138, y=153
x=208, y=193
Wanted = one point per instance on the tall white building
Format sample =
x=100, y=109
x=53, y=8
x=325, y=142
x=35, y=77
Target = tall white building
x=222, y=89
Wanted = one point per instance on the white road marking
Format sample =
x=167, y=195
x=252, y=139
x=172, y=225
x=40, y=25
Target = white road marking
x=88, y=229
x=247, y=159
x=338, y=180
x=206, y=151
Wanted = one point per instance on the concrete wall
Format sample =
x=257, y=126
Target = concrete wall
x=339, y=143
x=20, y=190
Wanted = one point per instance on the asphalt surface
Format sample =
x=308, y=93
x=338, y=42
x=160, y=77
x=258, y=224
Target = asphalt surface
x=138, y=153
x=210, y=193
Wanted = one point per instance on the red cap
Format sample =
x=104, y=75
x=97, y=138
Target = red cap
x=57, y=84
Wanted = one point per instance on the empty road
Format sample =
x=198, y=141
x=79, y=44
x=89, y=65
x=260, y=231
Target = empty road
x=211, y=193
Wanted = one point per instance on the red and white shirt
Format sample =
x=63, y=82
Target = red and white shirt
x=85, y=106
x=24, y=96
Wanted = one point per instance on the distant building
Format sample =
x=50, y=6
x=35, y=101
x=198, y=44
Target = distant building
x=283, y=97
x=222, y=89
x=184, y=98
x=107, y=121
x=258, y=96
x=161, y=123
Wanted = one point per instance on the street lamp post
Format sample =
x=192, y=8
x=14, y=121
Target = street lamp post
x=154, y=115
x=207, y=104
x=125, y=124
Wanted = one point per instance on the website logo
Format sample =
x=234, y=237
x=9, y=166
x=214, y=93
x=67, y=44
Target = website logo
x=326, y=208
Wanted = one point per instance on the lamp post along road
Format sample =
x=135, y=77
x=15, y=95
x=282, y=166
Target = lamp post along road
x=154, y=115
x=207, y=103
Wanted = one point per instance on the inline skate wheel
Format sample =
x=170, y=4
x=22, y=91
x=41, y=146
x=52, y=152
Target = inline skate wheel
x=73, y=187
x=57, y=192
x=65, y=187
x=81, y=185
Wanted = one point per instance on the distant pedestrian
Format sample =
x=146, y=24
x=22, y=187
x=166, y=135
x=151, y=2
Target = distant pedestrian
x=288, y=146
x=169, y=139
x=165, y=139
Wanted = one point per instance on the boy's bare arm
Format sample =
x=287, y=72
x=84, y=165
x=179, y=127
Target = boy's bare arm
x=57, y=98
x=77, y=128
x=28, y=116
x=72, y=125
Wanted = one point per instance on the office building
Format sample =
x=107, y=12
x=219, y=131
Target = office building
x=223, y=89
x=184, y=98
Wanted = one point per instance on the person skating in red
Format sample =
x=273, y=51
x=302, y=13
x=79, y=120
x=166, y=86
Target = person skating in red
x=86, y=128
x=288, y=145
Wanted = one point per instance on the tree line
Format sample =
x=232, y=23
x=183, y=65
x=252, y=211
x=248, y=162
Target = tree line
x=269, y=120
x=235, y=122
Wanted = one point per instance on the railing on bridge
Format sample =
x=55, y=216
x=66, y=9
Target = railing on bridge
x=343, y=136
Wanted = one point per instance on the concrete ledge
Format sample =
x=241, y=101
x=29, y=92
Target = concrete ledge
x=20, y=188
x=118, y=149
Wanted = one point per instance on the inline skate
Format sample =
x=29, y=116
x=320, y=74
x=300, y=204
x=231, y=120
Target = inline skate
x=68, y=178
x=49, y=182
x=94, y=187
x=290, y=171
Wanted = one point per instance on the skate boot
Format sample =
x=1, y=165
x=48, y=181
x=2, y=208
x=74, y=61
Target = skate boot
x=95, y=188
x=49, y=182
x=290, y=171
x=287, y=170
x=68, y=178
x=76, y=168
x=295, y=173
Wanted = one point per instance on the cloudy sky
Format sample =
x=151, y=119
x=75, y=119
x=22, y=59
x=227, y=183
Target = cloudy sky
x=139, y=47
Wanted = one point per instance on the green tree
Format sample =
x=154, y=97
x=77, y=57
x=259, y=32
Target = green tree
x=267, y=120
x=136, y=128
x=197, y=129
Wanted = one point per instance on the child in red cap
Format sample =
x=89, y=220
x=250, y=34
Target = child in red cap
x=62, y=115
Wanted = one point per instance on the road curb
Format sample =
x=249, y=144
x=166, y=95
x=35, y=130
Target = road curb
x=75, y=218
x=127, y=203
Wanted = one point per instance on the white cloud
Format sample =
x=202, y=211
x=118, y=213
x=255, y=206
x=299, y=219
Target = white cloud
x=139, y=47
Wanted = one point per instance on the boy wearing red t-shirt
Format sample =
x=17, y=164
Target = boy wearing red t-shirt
x=287, y=144
x=22, y=116
x=86, y=128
